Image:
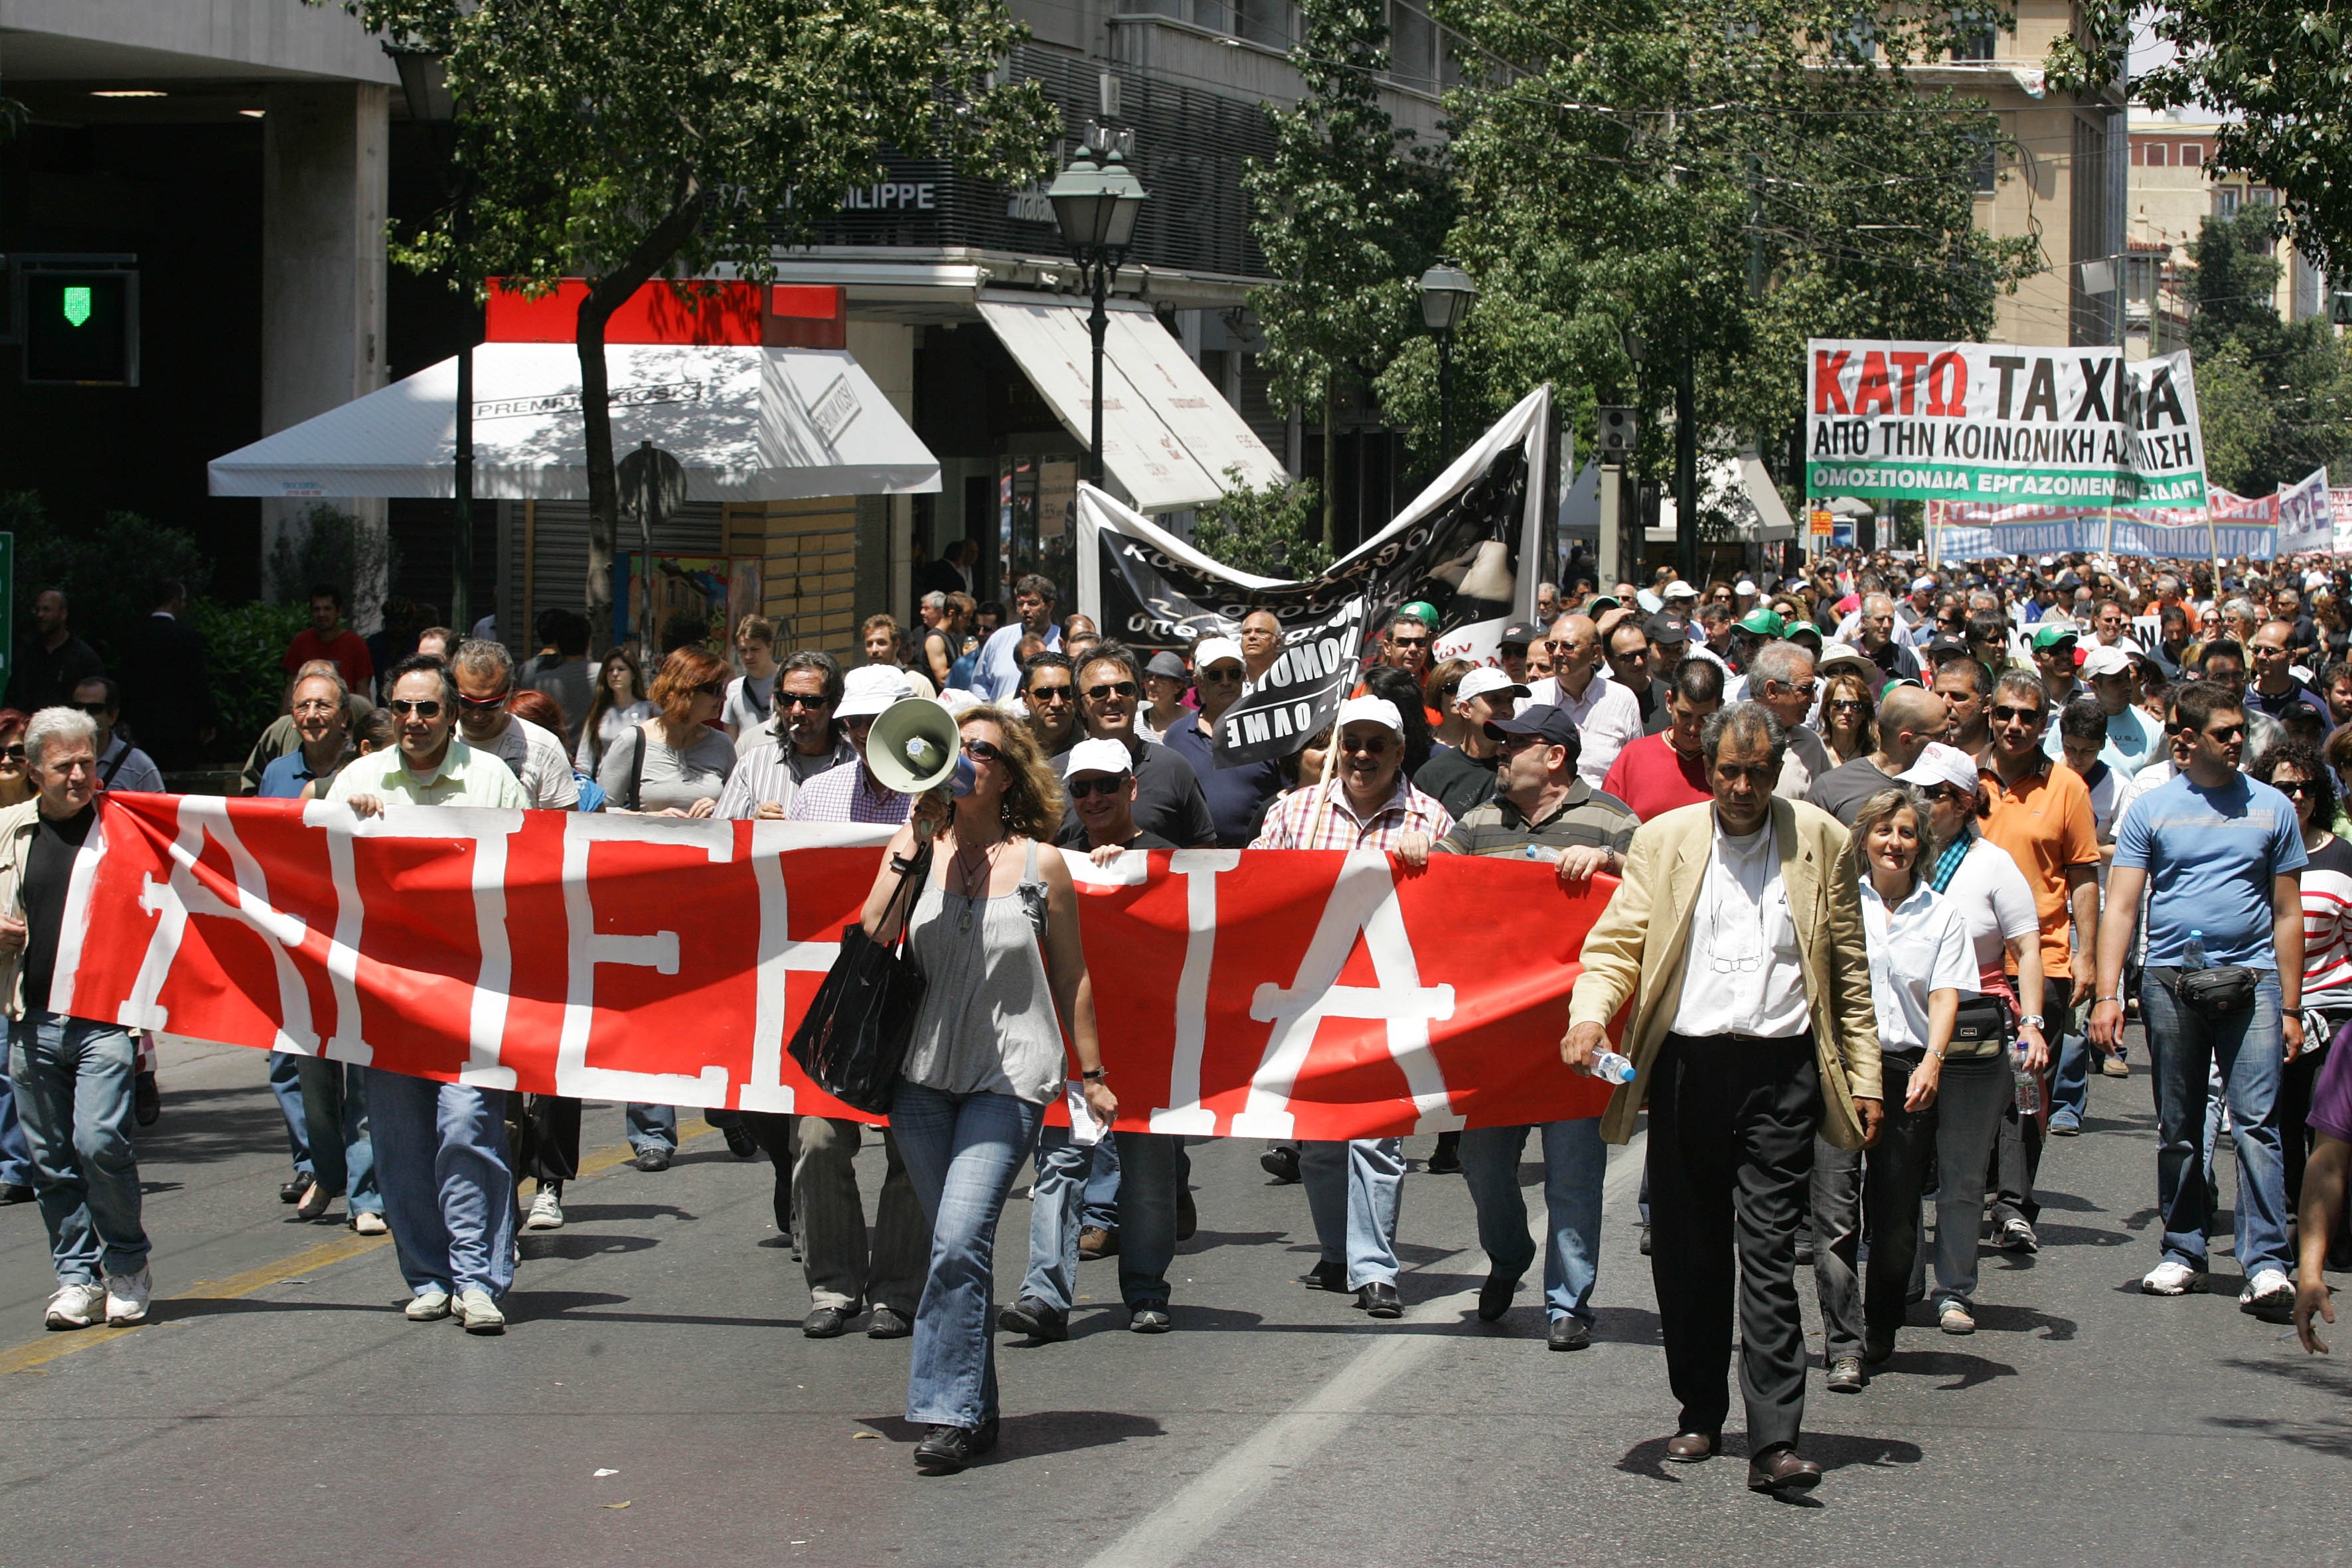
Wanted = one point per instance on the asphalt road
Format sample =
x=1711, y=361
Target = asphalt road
x=278, y=1408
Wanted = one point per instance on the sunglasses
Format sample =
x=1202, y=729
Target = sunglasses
x=1109, y=688
x=1050, y=693
x=2234, y=732
x=1950, y=795
x=1371, y=747
x=1103, y=783
x=1847, y=704
x=983, y=751
x=2294, y=786
x=2002, y=713
x=791, y=700
x=402, y=708
x=95, y=709
x=1221, y=675
x=708, y=688
x=481, y=704
x=12, y=753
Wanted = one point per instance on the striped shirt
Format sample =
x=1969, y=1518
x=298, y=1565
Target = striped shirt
x=1587, y=818
x=1290, y=822
x=846, y=793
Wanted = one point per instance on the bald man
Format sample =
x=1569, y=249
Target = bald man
x=1608, y=716
x=1909, y=716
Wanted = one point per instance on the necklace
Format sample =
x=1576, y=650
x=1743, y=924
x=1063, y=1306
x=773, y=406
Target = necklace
x=965, y=875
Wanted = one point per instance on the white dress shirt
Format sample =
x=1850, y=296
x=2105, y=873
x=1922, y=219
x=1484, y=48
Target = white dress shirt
x=1916, y=948
x=1743, y=974
x=1608, y=719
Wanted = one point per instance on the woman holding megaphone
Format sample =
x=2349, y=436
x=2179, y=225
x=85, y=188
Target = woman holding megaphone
x=995, y=934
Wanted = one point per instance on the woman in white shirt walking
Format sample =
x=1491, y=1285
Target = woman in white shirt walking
x=1920, y=964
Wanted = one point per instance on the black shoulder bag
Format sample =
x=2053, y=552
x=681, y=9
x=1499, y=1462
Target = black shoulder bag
x=853, y=1039
x=636, y=799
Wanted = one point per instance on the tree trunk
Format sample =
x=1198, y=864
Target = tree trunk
x=606, y=295
x=1330, y=472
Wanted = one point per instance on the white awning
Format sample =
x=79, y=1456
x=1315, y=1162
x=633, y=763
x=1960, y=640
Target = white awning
x=748, y=423
x=1168, y=436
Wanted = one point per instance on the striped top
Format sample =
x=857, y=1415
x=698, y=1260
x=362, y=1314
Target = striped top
x=1290, y=821
x=1586, y=819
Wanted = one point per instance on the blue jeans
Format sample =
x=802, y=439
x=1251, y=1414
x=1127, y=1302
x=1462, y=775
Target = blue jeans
x=2248, y=1047
x=1056, y=1199
x=73, y=1079
x=1353, y=1191
x=1153, y=1169
x=652, y=1126
x=286, y=1083
x=343, y=1154
x=15, y=1154
x=2070, y=1085
x=1575, y=1161
x=448, y=1190
x=1102, y=1186
x=962, y=1153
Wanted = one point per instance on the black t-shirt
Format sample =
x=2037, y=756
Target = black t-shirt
x=1075, y=839
x=1456, y=780
x=1167, y=799
x=48, y=869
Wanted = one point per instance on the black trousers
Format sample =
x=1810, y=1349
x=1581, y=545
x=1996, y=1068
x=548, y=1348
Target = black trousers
x=1731, y=1151
x=779, y=1135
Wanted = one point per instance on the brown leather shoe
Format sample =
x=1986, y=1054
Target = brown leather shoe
x=1779, y=1469
x=1095, y=1242
x=1690, y=1447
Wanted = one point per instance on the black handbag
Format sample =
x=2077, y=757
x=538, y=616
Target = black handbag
x=852, y=1040
x=1980, y=1020
x=2218, y=993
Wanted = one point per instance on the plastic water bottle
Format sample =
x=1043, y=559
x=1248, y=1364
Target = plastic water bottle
x=1611, y=1067
x=2193, y=957
x=2028, y=1085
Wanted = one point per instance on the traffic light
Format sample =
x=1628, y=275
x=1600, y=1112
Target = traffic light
x=1619, y=429
x=79, y=324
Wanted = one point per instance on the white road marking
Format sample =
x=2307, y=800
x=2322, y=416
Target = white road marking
x=1172, y=1532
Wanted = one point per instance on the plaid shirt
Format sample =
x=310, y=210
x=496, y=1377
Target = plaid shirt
x=848, y=794
x=1288, y=821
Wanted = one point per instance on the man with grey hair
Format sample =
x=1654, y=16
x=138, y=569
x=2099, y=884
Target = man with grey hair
x=72, y=1076
x=804, y=740
x=1782, y=678
x=1607, y=717
x=1742, y=952
x=1876, y=631
x=484, y=672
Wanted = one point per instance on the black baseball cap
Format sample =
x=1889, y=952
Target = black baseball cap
x=1667, y=630
x=1520, y=632
x=1945, y=644
x=1548, y=723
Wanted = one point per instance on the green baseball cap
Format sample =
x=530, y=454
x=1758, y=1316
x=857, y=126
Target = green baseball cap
x=2052, y=633
x=1601, y=604
x=1764, y=622
x=1900, y=681
x=1422, y=611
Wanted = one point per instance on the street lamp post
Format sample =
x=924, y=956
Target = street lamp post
x=1096, y=202
x=1445, y=291
x=424, y=83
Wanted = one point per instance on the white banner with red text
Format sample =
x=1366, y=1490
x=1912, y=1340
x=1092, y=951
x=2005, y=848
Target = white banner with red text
x=1243, y=994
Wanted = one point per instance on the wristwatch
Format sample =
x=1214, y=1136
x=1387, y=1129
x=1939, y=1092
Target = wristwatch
x=1097, y=1075
x=2033, y=1018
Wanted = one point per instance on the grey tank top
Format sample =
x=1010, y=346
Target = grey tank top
x=987, y=1023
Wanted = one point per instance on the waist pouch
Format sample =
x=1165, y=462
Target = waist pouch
x=1981, y=1023
x=2218, y=993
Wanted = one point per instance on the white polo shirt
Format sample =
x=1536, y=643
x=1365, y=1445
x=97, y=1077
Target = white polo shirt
x=1608, y=719
x=536, y=758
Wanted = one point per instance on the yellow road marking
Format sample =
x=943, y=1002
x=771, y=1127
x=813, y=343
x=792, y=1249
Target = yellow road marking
x=31, y=1356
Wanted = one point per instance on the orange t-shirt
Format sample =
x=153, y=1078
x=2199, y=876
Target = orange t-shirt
x=2046, y=825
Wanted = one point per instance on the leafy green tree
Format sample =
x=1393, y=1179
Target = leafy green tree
x=2278, y=73
x=1275, y=531
x=1717, y=179
x=620, y=141
x=1347, y=218
x=2275, y=397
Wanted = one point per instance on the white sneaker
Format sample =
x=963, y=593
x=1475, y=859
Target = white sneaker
x=77, y=1306
x=425, y=1306
x=367, y=1222
x=480, y=1313
x=546, y=1211
x=2171, y=1278
x=2269, y=1290
x=127, y=1296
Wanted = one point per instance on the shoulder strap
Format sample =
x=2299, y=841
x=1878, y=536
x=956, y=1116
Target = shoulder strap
x=1029, y=863
x=106, y=779
x=637, y=769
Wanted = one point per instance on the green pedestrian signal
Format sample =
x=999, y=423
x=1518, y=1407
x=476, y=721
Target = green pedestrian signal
x=76, y=303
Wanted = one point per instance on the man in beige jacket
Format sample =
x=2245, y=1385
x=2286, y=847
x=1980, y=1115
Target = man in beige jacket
x=1741, y=950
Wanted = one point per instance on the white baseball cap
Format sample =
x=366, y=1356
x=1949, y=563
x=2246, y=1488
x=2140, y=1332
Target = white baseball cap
x=2103, y=659
x=1942, y=764
x=1486, y=679
x=869, y=689
x=1209, y=650
x=1370, y=710
x=1678, y=589
x=1920, y=585
x=1099, y=756
x=1743, y=586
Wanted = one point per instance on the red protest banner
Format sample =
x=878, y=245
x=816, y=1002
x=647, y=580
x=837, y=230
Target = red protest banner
x=1275, y=994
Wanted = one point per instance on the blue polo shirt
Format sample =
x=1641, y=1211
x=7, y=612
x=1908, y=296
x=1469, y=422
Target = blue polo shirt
x=2209, y=856
x=1237, y=796
x=284, y=779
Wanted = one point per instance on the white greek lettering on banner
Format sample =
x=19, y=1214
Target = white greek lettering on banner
x=1363, y=900
x=181, y=896
x=77, y=916
x=657, y=950
x=1185, y=1113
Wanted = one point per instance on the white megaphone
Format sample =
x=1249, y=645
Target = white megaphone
x=916, y=746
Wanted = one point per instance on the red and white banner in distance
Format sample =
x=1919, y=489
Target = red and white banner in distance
x=1265, y=994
